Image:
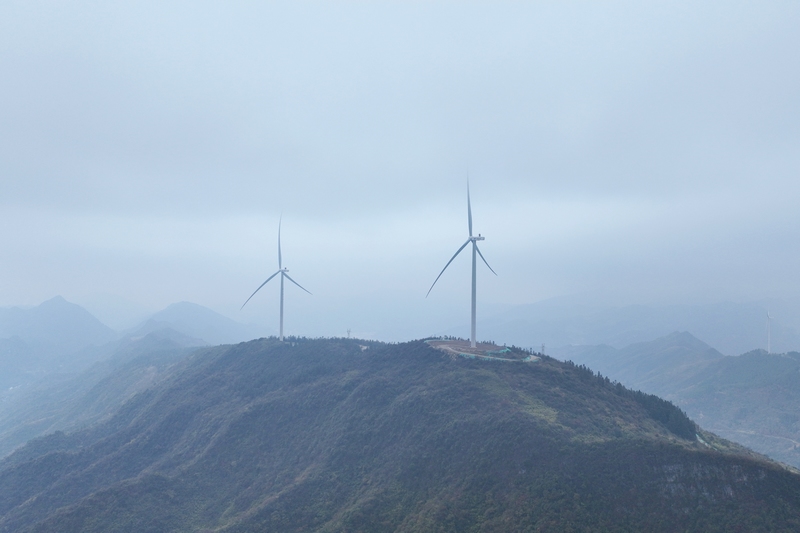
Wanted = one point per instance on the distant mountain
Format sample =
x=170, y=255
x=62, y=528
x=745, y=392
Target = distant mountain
x=341, y=435
x=54, y=351
x=732, y=328
x=164, y=329
x=71, y=401
x=654, y=366
x=751, y=399
x=202, y=323
x=54, y=337
x=54, y=327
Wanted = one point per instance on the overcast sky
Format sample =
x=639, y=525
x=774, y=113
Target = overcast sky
x=642, y=152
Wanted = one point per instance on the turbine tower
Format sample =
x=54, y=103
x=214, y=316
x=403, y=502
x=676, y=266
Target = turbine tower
x=283, y=272
x=474, y=240
x=769, y=332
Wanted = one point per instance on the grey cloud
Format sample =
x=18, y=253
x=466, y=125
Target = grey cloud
x=646, y=150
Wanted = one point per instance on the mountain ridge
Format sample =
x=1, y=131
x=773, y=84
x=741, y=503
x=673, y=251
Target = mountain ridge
x=200, y=322
x=750, y=398
x=55, y=326
x=323, y=435
x=67, y=402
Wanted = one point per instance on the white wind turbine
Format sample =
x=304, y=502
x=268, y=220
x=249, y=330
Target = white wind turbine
x=283, y=272
x=474, y=240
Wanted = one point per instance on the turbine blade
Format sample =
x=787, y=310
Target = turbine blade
x=484, y=260
x=280, y=261
x=258, y=289
x=447, y=265
x=293, y=281
x=469, y=211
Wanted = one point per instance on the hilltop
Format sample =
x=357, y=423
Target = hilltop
x=346, y=435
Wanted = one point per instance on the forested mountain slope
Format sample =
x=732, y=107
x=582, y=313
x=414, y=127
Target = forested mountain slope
x=65, y=402
x=341, y=435
x=752, y=398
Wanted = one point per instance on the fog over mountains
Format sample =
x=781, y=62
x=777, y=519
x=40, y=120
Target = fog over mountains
x=61, y=338
x=645, y=151
x=60, y=367
x=202, y=323
x=59, y=327
x=633, y=177
x=730, y=327
x=750, y=398
x=53, y=327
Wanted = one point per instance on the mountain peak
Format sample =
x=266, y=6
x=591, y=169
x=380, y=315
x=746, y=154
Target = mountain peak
x=55, y=327
x=55, y=300
x=200, y=322
x=676, y=340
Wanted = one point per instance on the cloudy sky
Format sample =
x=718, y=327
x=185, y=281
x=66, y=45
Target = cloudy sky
x=635, y=152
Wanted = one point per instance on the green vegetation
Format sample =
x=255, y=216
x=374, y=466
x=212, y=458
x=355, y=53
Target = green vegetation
x=67, y=402
x=660, y=410
x=321, y=435
x=751, y=398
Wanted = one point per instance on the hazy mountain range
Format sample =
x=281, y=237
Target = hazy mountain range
x=50, y=330
x=751, y=398
x=202, y=323
x=61, y=337
x=732, y=328
x=60, y=367
x=69, y=401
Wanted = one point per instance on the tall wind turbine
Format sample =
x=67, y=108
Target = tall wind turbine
x=769, y=332
x=474, y=240
x=283, y=272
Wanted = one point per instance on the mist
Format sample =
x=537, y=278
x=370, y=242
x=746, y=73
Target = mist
x=622, y=154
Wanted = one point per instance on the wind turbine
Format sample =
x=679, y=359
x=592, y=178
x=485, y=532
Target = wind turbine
x=769, y=332
x=474, y=240
x=283, y=272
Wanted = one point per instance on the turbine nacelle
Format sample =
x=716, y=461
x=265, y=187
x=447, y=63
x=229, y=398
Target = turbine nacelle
x=478, y=238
